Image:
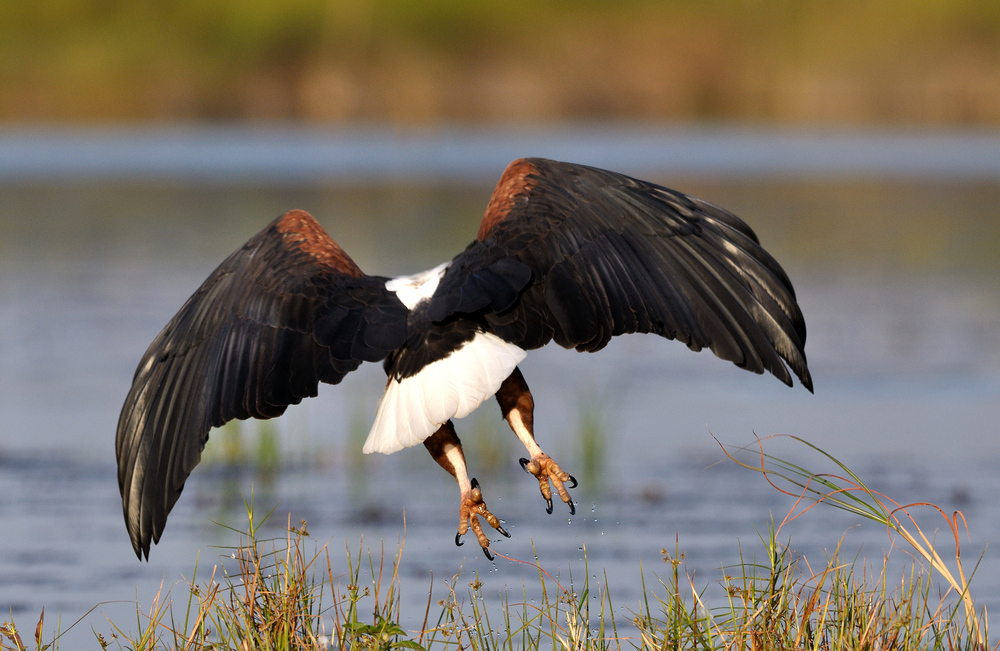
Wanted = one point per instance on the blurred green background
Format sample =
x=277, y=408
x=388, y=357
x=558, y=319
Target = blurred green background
x=414, y=62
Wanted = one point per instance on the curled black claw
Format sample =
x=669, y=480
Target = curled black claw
x=575, y=483
x=475, y=483
x=572, y=507
x=503, y=532
x=548, y=505
x=486, y=550
x=524, y=463
x=458, y=540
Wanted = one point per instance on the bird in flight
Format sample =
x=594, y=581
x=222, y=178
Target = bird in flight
x=564, y=253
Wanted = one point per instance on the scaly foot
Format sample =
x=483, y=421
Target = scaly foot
x=471, y=507
x=546, y=470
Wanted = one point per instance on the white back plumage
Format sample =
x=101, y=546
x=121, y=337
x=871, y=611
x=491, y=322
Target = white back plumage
x=411, y=290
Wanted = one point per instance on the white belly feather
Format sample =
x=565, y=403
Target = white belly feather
x=414, y=408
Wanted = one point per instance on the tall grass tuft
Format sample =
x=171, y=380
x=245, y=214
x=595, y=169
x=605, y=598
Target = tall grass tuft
x=848, y=493
x=783, y=602
x=273, y=599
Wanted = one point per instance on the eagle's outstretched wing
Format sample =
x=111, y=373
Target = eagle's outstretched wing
x=609, y=255
x=286, y=311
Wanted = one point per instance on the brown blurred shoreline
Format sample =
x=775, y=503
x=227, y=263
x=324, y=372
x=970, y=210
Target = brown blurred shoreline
x=915, y=62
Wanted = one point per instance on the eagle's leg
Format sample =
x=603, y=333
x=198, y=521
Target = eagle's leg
x=518, y=408
x=446, y=449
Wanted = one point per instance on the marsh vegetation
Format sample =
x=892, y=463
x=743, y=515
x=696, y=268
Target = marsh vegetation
x=289, y=592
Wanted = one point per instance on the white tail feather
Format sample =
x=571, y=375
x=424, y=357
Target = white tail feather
x=453, y=387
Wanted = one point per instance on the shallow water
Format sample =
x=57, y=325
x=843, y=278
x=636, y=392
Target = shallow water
x=897, y=280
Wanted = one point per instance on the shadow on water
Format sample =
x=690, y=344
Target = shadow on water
x=897, y=280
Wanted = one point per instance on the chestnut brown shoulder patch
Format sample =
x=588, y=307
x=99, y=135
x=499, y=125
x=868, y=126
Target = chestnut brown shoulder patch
x=302, y=231
x=512, y=183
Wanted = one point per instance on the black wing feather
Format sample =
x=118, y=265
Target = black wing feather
x=270, y=323
x=610, y=255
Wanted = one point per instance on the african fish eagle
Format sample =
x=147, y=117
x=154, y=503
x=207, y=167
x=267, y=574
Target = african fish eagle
x=565, y=253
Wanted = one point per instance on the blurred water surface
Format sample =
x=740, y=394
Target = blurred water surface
x=897, y=276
